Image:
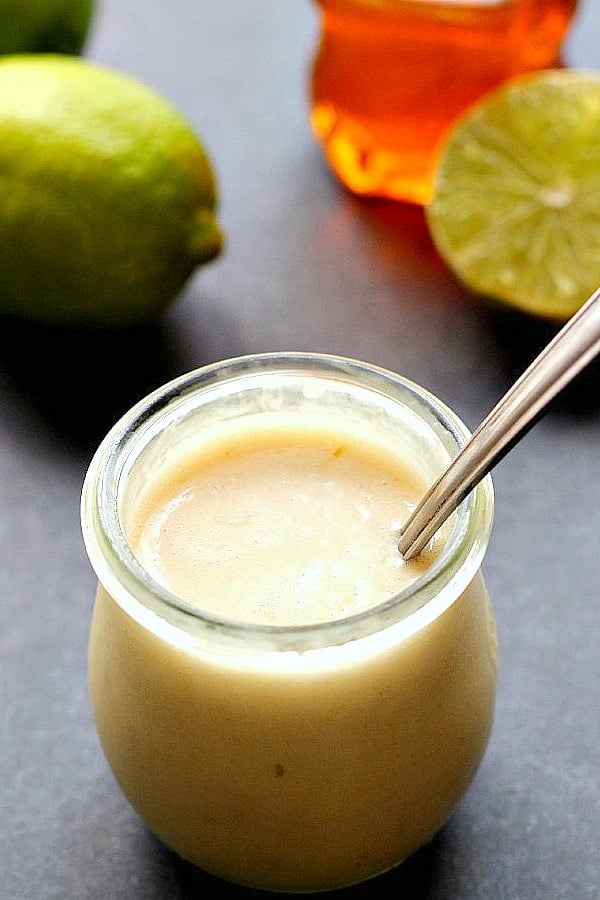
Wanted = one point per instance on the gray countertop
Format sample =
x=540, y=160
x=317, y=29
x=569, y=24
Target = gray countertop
x=306, y=266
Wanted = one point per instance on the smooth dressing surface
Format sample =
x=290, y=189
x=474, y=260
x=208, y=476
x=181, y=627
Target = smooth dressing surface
x=280, y=522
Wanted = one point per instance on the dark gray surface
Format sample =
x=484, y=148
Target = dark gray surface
x=306, y=267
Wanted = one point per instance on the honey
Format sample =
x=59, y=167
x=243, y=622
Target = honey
x=391, y=76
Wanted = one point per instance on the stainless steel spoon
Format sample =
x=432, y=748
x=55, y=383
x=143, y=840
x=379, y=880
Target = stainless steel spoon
x=575, y=345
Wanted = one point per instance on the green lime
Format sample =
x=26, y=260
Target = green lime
x=516, y=205
x=107, y=195
x=44, y=26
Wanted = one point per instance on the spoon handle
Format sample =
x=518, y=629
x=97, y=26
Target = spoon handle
x=573, y=347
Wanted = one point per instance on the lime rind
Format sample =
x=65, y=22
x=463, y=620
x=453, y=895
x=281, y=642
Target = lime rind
x=45, y=26
x=207, y=238
x=516, y=206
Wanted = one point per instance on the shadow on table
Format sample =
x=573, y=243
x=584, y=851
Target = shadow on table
x=78, y=382
x=400, y=239
x=398, y=235
x=519, y=339
x=417, y=879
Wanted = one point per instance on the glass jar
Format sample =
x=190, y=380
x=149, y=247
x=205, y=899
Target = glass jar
x=391, y=76
x=289, y=758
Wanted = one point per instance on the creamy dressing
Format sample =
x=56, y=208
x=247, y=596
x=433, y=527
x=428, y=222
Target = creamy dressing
x=280, y=526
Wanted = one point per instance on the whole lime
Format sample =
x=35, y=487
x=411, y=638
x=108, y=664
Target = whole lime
x=107, y=195
x=44, y=26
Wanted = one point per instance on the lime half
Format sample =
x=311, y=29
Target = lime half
x=516, y=206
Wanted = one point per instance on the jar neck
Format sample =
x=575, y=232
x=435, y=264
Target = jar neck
x=243, y=387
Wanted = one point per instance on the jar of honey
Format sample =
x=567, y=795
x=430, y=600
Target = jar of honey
x=390, y=77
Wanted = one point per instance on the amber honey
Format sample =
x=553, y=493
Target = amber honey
x=390, y=77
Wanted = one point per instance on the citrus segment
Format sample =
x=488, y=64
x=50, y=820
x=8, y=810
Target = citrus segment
x=516, y=206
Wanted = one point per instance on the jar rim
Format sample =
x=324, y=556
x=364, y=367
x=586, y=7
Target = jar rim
x=129, y=584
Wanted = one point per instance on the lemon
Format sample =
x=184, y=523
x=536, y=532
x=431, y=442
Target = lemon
x=50, y=26
x=107, y=195
x=516, y=205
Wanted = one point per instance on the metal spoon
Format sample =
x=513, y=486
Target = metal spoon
x=575, y=345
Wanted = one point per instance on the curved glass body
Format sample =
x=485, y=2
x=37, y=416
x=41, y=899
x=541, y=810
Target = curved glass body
x=390, y=77
x=289, y=758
